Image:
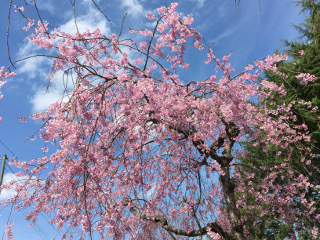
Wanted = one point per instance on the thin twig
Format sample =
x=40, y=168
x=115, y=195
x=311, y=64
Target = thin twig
x=8, y=27
x=124, y=17
x=103, y=13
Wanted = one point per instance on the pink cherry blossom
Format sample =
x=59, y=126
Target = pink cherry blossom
x=305, y=78
x=9, y=231
x=150, y=16
x=143, y=45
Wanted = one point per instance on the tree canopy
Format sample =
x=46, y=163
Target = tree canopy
x=144, y=154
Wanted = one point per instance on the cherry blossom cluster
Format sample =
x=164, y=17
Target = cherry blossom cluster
x=9, y=231
x=306, y=78
x=18, y=8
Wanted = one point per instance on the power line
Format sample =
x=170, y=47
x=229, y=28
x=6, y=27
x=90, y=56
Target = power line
x=38, y=229
x=8, y=166
x=36, y=226
x=7, y=148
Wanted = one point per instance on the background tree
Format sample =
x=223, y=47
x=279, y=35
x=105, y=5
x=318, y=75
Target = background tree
x=144, y=154
x=304, y=60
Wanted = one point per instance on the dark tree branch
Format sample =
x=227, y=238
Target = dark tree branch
x=194, y=233
x=232, y=131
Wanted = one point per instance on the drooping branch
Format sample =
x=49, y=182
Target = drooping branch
x=228, y=187
x=214, y=227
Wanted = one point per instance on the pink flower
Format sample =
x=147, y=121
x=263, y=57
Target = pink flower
x=187, y=20
x=162, y=10
x=249, y=67
x=173, y=7
x=150, y=16
x=185, y=66
x=122, y=77
x=138, y=61
x=213, y=78
x=145, y=33
x=9, y=232
x=306, y=78
x=143, y=45
x=18, y=8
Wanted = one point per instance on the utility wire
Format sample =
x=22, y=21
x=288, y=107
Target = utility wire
x=7, y=148
x=37, y=227
x=7, y=165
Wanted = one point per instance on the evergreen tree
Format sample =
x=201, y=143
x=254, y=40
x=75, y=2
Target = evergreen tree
x=304, y=57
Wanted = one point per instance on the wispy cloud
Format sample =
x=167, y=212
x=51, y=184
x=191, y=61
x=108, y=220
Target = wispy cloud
x=37, y=68
x=91, y=20
x=47, y=6
x=223, y=35
x=32, y=67
x=43, y=98
x=133, y=7
x=7, y=178
x=34, y=71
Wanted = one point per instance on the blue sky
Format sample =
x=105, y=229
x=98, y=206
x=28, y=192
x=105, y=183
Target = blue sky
x=250, y=32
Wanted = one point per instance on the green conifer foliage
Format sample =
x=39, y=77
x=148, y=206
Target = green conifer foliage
x=304, y=57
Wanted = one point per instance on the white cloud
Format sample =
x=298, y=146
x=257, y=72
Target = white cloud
x=7, y=178
x=42, y=98
x=151, y=192
x=37, y=68
x=46, y=5
x=134, y=8
x=92, y=20
x=33, y=65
